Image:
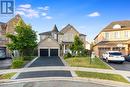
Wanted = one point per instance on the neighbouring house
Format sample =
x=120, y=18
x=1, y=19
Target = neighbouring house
x=5, y=28
x=115, y=36
x=88, y=45
x=57, y=43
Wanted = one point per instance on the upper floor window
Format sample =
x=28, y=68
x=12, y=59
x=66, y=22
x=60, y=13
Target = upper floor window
x=126, y=34
x=55, y=36
x=106, y=35
x=117, y=26
x=117, y=34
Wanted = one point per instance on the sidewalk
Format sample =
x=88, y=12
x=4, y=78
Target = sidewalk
x=66, y=68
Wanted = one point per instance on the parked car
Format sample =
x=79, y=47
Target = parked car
x=113, y=56
x=2, y=54
x=127, y=57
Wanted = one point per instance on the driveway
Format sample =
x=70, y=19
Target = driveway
x=5, y=63
x=46, y=61
x=125, y=66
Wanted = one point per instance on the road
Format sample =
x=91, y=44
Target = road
x=54, y=83
x=46, y=61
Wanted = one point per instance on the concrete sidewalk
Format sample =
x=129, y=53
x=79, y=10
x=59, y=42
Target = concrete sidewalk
x=66, y=68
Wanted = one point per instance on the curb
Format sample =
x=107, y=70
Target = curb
x=107, y=64
x=66, y=64
x=115, y=69
x=76, y=79
x=27, y=65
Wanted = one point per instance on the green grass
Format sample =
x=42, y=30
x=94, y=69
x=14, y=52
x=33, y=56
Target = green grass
x=85, y=62
x=7, y=76
x=114, y=77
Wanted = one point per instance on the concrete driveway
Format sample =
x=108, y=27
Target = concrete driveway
x=46, y=61
x=5, y=63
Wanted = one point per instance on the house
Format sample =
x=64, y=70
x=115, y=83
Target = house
x=115, y=36
x=5, y=28
x=88, y=45
x=57, y=43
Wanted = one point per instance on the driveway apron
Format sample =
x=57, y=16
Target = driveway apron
x=46, y=61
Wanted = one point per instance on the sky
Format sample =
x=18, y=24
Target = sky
x=87, y=16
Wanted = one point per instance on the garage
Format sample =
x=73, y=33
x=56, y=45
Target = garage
x=48, y=47
x=53, y=52
x=44, y=52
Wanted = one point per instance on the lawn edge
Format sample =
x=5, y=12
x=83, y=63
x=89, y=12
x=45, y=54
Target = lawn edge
x=27, y=65
x=107, y=64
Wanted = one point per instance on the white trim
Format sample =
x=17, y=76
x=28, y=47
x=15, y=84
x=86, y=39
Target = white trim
x=64, y=49
x=48, y=47
x=59, y=52
x=49, y=53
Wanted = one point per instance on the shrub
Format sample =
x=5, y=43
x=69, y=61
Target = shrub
x=68, y=55
x=85, y=52
x=17, y=63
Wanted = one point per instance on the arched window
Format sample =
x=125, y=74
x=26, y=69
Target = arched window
x=117, y=26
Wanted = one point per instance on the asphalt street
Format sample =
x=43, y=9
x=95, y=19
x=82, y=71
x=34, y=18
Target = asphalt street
x=54, y=83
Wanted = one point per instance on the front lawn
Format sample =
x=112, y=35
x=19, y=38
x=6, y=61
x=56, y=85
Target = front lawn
x=114, y=77
x=85, y=62
x=7, y=76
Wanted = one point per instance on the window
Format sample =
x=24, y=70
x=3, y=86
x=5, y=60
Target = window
x=117, y=26
x=55, y=36
x=126, y=34
x=117, y=34
x=106, y=35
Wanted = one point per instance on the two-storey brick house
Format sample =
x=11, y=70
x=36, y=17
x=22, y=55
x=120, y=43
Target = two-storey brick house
x=115, y=36
x=56, y=43
x=5, y=28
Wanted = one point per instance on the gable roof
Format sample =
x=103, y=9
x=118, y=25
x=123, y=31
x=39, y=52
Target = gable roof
x=124, y=25
x=66, y=28
x=49, y=32
x=46, y=33
x=16, y=18
x=82, y=34
x=47, y=38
